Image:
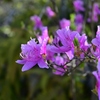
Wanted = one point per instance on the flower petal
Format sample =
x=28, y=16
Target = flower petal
x=70, y=54
x=28, y=65
x=61, y=49
x=42, y=64
x=96, y=75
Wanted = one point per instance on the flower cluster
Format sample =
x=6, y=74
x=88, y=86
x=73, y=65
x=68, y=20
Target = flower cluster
x=67, y=46
x=54, y=53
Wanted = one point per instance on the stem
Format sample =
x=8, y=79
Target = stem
x=86, y=13
x=55, y=8
x=56, y=68
x=63, y=9
x=73, y=69
x=92, y=23
x=43, y=10
x=73, y=87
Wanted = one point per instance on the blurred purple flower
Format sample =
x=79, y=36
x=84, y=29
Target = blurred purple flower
x=78, y=5
x=37, y=22
x=96, y=8
x=79, y=28
x=49, y=12
x=79, y=19
x=31, y=56
x=79, y=22
x=64, y=23
x=94, y=14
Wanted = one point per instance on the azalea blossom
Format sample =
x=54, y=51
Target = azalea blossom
x=31, y=56
x=66, y=37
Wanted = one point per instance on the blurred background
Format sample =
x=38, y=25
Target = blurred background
x=16, y=28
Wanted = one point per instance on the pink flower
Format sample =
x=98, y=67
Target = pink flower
x=64, y=23
x=49, y=12
x=37, y=22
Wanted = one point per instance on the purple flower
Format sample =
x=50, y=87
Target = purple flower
x=66, y=37
x=31, y=56
x=59, y=67
x=79, y=22
x=50, y=54
x=65, y=41
x=97, y=76
x=95, y=13
x=79, y=28
x=49, y=12
x=79, y=19
x=37, y=22
x=82, y=40
x=96, y=8
x=82, y=46
x=78, y=5
x=96, y=53
x=64, y=23
x=95, y=16
x=96, y=42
